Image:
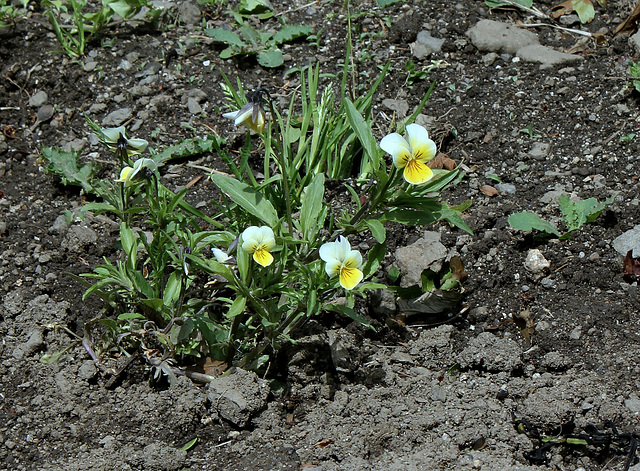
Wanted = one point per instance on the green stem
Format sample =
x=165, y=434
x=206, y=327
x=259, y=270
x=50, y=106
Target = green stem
x=372, y=205
x=283, y=169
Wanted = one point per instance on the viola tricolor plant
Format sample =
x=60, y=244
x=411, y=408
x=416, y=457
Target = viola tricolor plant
x=234, y=280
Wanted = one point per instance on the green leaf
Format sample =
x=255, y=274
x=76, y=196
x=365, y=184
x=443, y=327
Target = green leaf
x=65, y=164
x=290, y=32
x=121, y=7
x=386, y=3
x=527, y=221
x=371, y=163
x=247, y=198
x=130, y=316
x=377, y=230
x=172, y=289
x=225, y=36
x=312, y=198
x=585, y=10
x=350, y=313
x=374, y=259
x=273, y=58
x=190, y=444
x=237, y=307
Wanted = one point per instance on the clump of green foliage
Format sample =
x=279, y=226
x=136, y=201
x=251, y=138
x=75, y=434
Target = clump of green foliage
x=234, y=281
x=574, y=215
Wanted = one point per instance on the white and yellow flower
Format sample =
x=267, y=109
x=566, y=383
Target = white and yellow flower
x=412, y=153
x=251, y=115
x=259, y=241
x=116, y=139
x=341, y=260
x=128, y=174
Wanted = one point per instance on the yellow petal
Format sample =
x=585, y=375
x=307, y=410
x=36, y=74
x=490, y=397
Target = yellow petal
x=263, y=257
x=417, y=172
x=350, y=277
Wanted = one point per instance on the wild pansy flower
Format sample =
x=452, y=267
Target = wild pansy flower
x=251, y=115
x=116, y=140
x=259, y=241
x=412, y=153
x=221, y=256
x=342, y=261
x=128, y=174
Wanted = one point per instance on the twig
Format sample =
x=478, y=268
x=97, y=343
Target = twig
x=568, y=30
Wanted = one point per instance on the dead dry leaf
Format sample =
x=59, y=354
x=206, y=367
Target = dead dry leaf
x=631, y=266
x=630, y=25
x=488, y=190
x=324, y=443
x=442, y=161
x=583, y=8
x=214, y=367
x=525, y=323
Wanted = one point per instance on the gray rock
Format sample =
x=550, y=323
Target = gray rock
x=193, y=106
x=238, y=396
x=426, y=252
x=78, y=237
x=189, y=13
x=117, y=117
x=383, y=302
x=152, y=68
x=634, y=42
x=556, y=361
x=547, y=56
x=89, y=66
x=399, y=106
x=489, y=59
x=163, y=457
x=425, y=45
x=633, y=403
x=59, y=226
x=140, y=90
x=539, y=150
x=341, y=343
x=507, y=188
x=493, y=36
x=490, y=352
x=535, y=263
x=30, y=346
x=38, y=99
x=629, y=240
x=87, y=370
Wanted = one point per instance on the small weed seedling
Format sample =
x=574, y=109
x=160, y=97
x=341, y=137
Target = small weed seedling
x=634, y=71
x=262, y=44
x=10, y=13
x=574, y=215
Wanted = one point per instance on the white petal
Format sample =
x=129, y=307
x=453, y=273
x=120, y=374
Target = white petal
x=113, y=134
x=417, y=135
x=327, y=252
x=230, y=115
x=333, y=267
x=267, y=238
x=251, y=235
x=220, y=256
x=394, y=143
x=353, y=259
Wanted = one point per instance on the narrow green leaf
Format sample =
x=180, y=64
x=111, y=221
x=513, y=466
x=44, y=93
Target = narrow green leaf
x=312, y=198
x=172, y=289
x=247, y=198
x=350, y=313
x=371, y=163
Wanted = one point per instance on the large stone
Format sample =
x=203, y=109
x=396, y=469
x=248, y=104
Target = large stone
x=426, y=252
x=629, y=240
x=493, y=36
x=547, y=56
x=238, y=396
